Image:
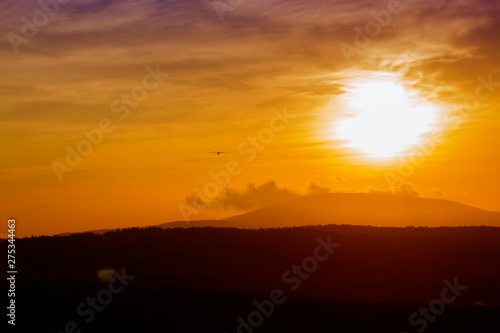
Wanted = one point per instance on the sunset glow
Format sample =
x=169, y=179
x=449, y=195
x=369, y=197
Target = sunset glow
x=384, y=118
x=111, y=109
x=299, y=166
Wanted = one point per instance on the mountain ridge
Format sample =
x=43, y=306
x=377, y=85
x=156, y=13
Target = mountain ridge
x=363, y=209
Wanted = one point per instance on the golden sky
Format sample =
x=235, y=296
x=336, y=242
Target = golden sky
x=343, y=71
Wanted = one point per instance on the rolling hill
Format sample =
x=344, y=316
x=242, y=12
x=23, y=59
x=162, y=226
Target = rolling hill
x=367, y=209
x=351, y=208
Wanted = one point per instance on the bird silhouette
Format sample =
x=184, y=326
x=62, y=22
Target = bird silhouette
x=218, y=152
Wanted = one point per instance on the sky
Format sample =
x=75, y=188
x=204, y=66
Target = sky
x=111, y=109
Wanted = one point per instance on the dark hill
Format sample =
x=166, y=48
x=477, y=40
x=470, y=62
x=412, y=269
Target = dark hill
x=203, y=279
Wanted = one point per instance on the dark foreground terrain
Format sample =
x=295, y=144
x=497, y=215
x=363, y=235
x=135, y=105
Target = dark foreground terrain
x=321, y=279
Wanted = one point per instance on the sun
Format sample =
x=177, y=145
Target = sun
x=383, y=118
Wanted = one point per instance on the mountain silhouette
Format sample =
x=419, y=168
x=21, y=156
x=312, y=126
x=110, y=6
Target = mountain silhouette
x=366, y=209
x=203, y=275
x=350, y=208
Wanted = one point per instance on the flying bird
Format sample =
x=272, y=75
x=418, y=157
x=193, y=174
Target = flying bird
x=218, y=152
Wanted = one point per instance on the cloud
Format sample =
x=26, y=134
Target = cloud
x=404, y=189
x=337, y=184
x=437, y=193
x=251, y=197
x=316, y=189
x=269, y=193
x=225, y=77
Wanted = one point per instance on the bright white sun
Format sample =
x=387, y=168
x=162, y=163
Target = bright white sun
x=383, y=118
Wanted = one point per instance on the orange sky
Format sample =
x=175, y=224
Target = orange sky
x=226, y=81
